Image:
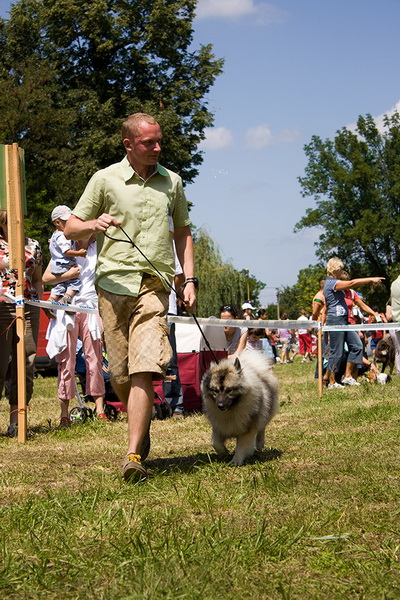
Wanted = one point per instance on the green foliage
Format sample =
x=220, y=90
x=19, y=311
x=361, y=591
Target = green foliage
x=299, y=296
x=308, y=285
x=220, y=283
x=289, y=301
x=272, y=312
x=72, y=70
x=355, y=182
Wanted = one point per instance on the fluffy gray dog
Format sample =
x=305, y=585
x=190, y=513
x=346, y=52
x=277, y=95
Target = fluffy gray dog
x=240, y=397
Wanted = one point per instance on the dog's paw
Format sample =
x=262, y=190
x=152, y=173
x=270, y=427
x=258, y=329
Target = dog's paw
x=221, y=450
x=236, y=462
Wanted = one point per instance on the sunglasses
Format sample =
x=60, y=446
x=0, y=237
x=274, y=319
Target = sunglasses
x=230, y=308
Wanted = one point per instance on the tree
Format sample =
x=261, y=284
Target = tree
x=72, y=70
x=220, y=283
x=308, y=284
x=288, y=301
x=293, y=299
x=355, y=182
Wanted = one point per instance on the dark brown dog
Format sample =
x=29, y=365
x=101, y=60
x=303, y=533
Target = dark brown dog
x=385, y=353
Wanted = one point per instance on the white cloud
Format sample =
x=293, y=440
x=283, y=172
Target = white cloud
x=287, y=136
x=378, y=119
x=217, y=138
x=261, y=137
x=258, y=137
x=235, y=9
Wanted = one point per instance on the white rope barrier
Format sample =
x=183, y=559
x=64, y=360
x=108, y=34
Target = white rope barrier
x=213, y=321
x=249, y=323
x=361, y=327
x=59, y=306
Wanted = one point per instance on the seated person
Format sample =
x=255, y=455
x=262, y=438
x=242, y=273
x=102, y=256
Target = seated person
x=233, y=335
x=253, y=341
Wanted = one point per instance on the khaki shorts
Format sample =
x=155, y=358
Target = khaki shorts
x=136, y=331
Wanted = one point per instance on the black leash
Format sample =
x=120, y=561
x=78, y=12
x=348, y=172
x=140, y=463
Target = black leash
x=130, y=241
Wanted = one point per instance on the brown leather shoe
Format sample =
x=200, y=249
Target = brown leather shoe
x=133, y=469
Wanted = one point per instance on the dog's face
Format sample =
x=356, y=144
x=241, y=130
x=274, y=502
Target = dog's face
x=222, y=383
x=381, y=378
x=385, y=349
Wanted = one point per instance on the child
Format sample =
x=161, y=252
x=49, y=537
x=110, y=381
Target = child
x=254, y=339
x=63, y=257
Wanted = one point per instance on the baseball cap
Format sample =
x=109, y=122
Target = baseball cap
x=61, y=212
x=247, y=305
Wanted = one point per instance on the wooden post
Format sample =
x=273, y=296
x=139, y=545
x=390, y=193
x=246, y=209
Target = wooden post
x=319, y=344
x=16, y=241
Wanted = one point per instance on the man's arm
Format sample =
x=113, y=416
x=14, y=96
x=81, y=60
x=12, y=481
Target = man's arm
x=76, y=229
x=184, y=250
x=50, y=279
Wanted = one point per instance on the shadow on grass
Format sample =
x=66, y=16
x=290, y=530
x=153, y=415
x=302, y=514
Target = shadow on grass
x=187, y=464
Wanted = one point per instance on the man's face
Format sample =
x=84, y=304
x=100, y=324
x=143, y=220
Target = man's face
x=144, y=148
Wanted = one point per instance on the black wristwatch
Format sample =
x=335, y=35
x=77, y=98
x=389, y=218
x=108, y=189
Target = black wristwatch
x=193, y=280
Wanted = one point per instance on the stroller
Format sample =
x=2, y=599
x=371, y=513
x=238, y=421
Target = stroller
x=82, y=412
x=112, y=405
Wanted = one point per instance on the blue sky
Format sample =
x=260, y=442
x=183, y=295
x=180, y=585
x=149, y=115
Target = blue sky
x=293, y=68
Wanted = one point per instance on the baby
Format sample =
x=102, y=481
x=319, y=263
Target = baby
x=63, y=257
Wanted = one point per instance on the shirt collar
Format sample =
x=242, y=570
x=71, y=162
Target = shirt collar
x=128, y=171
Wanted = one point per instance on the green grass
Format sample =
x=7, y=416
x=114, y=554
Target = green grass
x=316, y=515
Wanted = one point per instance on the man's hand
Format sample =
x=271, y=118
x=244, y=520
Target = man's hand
x=103, y=222
x=189, y=295
x=76, y=229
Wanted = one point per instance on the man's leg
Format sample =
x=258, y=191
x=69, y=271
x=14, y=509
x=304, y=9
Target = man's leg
x=139, y=409
x=123, y=392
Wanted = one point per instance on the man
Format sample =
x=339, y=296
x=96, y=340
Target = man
x=395, y=310
x=148, y=202
x=305, y=339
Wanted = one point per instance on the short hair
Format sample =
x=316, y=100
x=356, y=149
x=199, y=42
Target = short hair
x=231, y=308
x=333, y=265
x=257, y=332
x=131, y=123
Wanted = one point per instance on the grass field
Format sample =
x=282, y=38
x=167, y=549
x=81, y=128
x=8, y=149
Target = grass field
x=316, y=515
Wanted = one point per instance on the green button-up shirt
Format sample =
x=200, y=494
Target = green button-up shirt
x=395, y=300
x=147, y=210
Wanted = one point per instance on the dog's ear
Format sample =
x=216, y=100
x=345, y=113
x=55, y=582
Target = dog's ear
x=237, y=364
